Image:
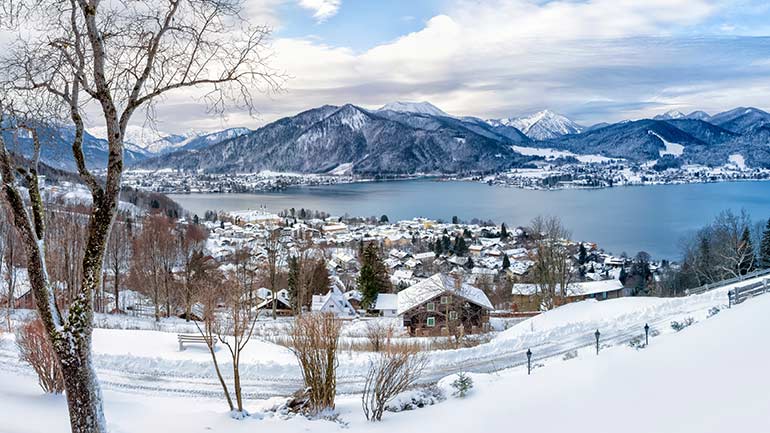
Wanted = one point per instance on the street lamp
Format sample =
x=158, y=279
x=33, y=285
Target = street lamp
x=529, y=361
x=597, y=334
x=646, y=334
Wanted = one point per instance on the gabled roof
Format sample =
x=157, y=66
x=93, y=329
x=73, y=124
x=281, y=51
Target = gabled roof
x=431, y=287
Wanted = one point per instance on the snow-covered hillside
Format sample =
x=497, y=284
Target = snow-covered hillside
x=709, y=377
x=543, y=125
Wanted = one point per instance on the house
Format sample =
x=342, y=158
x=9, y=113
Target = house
x=443, y=304
x=281, y=301
x=354, y=297
x=387, y=304
x=525, y=297
x=601, y=290
x=333, y=302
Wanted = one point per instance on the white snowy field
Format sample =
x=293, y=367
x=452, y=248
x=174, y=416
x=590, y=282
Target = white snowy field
x=710, y=377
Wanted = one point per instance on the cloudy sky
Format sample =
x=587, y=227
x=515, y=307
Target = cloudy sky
x=599, y=60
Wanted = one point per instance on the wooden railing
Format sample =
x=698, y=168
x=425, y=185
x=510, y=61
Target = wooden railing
x=740, y=294
x=706, y=287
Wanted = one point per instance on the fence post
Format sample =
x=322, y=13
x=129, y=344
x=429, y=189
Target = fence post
x=730, y=299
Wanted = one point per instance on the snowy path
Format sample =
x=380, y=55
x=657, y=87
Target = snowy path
x=548, y=336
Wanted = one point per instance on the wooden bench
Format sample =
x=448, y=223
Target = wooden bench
x=194, y=339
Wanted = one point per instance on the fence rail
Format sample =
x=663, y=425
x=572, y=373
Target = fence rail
x=740, y=294
x=711, y=286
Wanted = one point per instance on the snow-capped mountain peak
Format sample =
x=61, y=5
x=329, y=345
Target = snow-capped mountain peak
x=150, y=141
x=670, y=115
x=543, y=125
x=423, y=107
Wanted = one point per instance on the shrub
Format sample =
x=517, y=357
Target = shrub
x=379, y=334
x=36, y=350
x=462, y=384
x=678, y=326
x=415, y=399
x=713, y=311
x=314, y=340
x=390, y=374
x=572, y=354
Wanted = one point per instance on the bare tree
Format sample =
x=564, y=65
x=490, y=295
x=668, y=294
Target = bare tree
x=233, y=327
x=389, y=374
x=194, y=263
x=273, y=249
x=120, y=56
x=552, y=270
x=119, y=254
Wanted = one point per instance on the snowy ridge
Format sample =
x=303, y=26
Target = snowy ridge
x=423, y=107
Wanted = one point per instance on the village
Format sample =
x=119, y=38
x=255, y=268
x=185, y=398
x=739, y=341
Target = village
x=436, y=277
x=565, y=173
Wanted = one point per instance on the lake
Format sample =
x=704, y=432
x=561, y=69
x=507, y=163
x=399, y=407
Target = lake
x=651, y=218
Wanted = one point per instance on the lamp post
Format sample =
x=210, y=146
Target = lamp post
x=597, y=334
x=529, y=361
x=646, y=334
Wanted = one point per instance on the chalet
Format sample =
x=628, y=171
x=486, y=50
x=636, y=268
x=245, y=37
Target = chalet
x=281, y=301
x=443, y=304
x=354, y=297
x=333, y=302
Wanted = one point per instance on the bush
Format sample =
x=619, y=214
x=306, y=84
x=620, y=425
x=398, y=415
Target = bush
x=379, y=334
x=36, y=350
x=713, y=311
x=415, y=399
x=462, y=385
x=314, y=340
x=637, y=342
x=678, y=326
x=390, y=374
x=572, y=354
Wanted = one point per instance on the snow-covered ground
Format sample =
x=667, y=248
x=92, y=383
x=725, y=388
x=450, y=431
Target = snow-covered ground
x=709, y=377
x=674, y=149
x=550, y=154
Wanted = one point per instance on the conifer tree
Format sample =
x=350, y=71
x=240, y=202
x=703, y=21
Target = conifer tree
x=506, y=261
x=582, y=254
x=764, y=248
x=373, y=278
x=746, y=263
x=460, y=247
x=503, y=232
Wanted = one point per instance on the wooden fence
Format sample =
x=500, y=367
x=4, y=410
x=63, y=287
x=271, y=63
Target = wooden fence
x=740, y=294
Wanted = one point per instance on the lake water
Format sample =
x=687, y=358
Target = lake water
x=642, y=218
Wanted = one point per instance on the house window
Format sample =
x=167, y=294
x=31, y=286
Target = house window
x=431, y=322
x=444, y=300
x=604, y=295
x=453, y=315
x=431, y=306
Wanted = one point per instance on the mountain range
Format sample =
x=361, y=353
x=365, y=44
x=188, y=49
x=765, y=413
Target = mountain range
x=419, y=138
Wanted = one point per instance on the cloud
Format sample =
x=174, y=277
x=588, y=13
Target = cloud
x=597, y=60
x=322, y=9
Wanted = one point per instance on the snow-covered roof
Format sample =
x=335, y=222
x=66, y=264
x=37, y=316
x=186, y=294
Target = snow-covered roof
x=573, y=289
x=386, y=301
x=431, y=287
x=591, y=287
